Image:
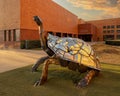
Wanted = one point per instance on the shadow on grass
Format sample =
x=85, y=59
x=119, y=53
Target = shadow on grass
x=20, y=82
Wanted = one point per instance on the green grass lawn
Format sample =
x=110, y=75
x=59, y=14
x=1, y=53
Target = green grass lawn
x=20, y=82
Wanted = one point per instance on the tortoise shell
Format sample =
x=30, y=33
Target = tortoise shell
x=73, y=49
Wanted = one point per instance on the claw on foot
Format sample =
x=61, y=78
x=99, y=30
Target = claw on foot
x=37, y=83
x=82, y=83
x=34, y=70
x=40, y=82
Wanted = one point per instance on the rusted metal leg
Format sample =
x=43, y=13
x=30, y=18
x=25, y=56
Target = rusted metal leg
x=38, y=63
x=44, y=75
x=85, y=81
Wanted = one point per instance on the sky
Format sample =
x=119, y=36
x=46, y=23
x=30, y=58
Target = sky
x=92, y=9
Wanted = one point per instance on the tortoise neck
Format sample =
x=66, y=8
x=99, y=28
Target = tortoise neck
x=42, y=38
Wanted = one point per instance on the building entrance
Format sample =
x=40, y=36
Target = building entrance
x=85, y=37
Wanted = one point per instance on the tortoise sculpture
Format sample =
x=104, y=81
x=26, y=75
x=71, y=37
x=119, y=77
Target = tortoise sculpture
x=69, y=52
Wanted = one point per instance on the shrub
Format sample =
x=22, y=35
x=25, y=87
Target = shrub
x=113, y=42
x=30, y=44
x=22, y=44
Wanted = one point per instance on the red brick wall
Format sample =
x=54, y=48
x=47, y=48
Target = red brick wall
x=84, y=29
x=54, y=17
x=87, y=28
x=9, y=14
x=29, y=34
x=100, y=23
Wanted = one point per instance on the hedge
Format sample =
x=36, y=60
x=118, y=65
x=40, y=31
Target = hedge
x=113, y=42
x=30, y=44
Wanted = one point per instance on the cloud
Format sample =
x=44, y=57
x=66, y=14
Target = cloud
x=109, y=8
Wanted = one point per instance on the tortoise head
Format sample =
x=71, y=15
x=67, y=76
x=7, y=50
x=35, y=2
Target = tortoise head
x=39, y=23
x=37, y=20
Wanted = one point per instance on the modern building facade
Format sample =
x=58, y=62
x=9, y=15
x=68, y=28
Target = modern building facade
x=87, y=32
x=55, y=18
x=108, y=29
x=102, y=29
x=16, y=20
x=16, y=23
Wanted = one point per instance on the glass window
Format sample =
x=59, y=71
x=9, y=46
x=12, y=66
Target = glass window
x=64, y=34
x=69, y=35
x=108, y=37
x=9, y=35
x=112, y=31
x=118, y=31
x=108, y=31
x=118, y=26
x=118, y=36
x=108, y=26
x=104, y=27
x=5, y=35
x=58, y=34
x=112, y=26
x=14, y=35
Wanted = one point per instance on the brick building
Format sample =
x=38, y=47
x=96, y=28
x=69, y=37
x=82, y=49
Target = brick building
x=108, y=29
x=87, y=32
x=16, y=20
x=99, y=30
x=16, y=23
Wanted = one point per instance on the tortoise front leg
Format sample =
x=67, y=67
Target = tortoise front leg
x=37, y=64
x=44, y=75
x=85, y=81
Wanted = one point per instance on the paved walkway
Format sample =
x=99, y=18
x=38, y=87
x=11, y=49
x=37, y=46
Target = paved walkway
x=11, y=59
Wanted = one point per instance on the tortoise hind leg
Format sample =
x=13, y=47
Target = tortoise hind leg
x=37, y=64
x=86, y=80
x=43, y=77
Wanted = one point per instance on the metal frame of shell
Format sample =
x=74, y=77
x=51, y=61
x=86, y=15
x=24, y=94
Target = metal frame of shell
x=73, y=49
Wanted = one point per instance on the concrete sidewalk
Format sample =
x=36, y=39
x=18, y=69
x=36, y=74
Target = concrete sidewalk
x=15, y=58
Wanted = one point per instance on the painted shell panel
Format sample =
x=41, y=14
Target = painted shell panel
x=73, y=49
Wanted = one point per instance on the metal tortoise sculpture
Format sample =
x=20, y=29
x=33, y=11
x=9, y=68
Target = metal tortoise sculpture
x=69, y=52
